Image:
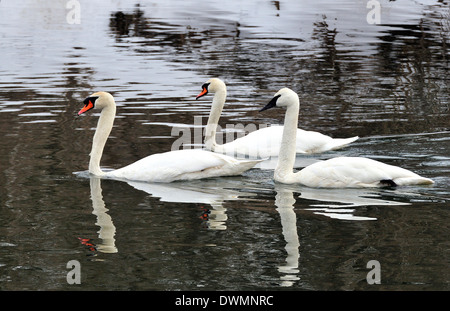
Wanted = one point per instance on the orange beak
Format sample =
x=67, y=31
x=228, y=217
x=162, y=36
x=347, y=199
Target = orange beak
x=202, y=93
x=86, y=107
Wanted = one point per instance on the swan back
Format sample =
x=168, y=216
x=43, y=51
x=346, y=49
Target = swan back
x=182, y=165
x=357, y=172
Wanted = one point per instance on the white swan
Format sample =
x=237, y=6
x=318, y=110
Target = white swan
x=264, y=142
x=161, y=167
x=337, y=172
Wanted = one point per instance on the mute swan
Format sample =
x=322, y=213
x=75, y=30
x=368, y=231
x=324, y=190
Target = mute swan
x=340, y=172
x=161, y=167
x=264, y=142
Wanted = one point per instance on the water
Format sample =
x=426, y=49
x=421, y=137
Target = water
x=387, y=83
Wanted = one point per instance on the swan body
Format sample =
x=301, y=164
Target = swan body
x=264, y=142
x=357, y=172
x=340, y=172
x=162, y=167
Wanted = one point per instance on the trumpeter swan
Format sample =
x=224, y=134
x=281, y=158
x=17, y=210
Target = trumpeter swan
x=339, y=172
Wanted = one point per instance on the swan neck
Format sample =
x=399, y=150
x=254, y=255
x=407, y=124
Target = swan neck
x=213, y=119
x=286, y=158
x=104, y=127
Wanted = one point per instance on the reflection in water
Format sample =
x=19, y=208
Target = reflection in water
x=107, y=228
x=333, y=203
x=349, y=72
x=346, y=200
x=284, y=201
x=216, y=218
x=354, y=79
x=341, y=203
x=213, y=192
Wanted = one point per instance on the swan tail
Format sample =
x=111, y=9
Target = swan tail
x=338, y=143
x=245, y=165
x=414, y=180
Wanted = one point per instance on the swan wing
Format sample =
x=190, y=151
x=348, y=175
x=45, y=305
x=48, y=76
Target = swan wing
x=266, y=142
x=182, y=165
x=357, y=172
x=315, y=142
x=261, y=143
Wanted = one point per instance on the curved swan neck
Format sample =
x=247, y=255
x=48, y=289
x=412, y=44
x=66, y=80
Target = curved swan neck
x=104, y=127
x=286, y=158
x=218, y=102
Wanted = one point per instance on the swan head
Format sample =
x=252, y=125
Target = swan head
x=283, y=98
x=97, y=100
x=211, y=86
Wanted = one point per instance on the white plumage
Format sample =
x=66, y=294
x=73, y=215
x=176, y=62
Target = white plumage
x=264, y=142
x=161, y=167
x=340, y=172
x=357, y=172
x=182, y=165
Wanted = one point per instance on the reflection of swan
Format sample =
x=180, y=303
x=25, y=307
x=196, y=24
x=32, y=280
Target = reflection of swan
x=264, y=142
x=182, y=192
x=107, y=228
x=211, y=192
x=162, y=167
x=338, y=172
x=217, y=217
x=284, y=201
x=345, y=200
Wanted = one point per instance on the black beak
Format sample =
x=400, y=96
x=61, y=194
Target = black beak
x=271, y=104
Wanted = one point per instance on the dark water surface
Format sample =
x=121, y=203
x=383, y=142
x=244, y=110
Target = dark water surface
x=387, y=83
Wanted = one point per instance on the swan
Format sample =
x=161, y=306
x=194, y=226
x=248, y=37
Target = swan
x=264, y=142
x=339, y=172
x=161, y=167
